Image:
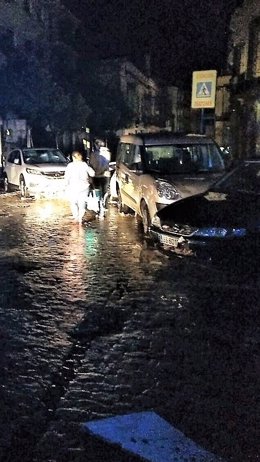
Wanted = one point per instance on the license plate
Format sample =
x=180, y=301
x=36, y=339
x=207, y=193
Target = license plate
x=168, y=240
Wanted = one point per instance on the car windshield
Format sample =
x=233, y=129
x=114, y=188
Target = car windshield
x=43, y=156
x=245, y=179
x=184, y=158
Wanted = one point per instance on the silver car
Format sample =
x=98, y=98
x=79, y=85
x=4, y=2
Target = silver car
x=35, y=171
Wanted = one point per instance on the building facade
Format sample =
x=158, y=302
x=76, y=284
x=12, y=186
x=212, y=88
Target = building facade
x=223, y=135
x=244, y=60
x=154, y=106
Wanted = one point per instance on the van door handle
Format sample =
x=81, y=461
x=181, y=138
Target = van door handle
x=126, y=178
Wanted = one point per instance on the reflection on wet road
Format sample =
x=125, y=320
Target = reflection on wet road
x=78, y=301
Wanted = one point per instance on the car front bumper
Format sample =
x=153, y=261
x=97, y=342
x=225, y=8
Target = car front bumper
x=48, y=188
x=205, y=247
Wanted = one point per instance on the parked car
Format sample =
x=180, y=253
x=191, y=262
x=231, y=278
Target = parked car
x=35, y=171
x=155, y=169
x=224, y=218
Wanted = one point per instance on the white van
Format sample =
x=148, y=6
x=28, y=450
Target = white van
x=155, y=169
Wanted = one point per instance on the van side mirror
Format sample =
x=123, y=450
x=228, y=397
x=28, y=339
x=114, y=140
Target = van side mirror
x=137, y=167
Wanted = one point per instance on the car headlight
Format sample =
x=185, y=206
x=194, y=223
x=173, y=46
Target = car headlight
x=166, y=190
x=33, y=171
x=220, y=232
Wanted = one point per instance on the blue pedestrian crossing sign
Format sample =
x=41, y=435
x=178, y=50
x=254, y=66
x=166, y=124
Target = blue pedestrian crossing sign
x=203, y=89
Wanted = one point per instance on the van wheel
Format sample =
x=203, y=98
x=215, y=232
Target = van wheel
x=122, y=207
x=146, y=218
x=6, y=185
x=23, y=188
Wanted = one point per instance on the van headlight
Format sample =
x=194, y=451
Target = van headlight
x=156, y=221
x=167, y=191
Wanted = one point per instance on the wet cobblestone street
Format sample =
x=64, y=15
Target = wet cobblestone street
x=96, y=323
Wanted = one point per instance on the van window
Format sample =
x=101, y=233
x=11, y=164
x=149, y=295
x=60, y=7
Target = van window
x=123, y=152
x=130, y=155
x=184, y=158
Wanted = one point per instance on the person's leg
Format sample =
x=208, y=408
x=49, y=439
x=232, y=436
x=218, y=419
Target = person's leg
x=100, y=203
x=98, y=191
x=105, y=191
x=104, y=181
x=82, y=206
x=74, y=209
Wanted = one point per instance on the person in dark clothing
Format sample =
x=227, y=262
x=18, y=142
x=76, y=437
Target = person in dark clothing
x=99, y=160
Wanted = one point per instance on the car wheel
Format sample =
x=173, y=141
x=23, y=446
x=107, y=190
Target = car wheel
x=23, y=188
x=6, y=185
x=122, y=207
x=146, y=218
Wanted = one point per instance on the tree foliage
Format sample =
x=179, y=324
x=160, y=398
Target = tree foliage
x=29, y=90
x=109, y=110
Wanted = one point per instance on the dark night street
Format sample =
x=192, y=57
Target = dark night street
x=95, y=323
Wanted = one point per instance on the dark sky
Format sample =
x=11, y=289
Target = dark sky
x=180, y=35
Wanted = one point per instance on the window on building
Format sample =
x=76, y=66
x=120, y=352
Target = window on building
x=28, y=6
x=40, y=14
x=80, y=40
x=6, y=41
x=237, y=60
x=147, y=106
x=254, y=48
x=132, y=94
x=257, y=55
x=29, y=46
x=65, y=31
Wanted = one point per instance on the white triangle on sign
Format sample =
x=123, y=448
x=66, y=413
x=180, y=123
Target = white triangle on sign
x=204, y=91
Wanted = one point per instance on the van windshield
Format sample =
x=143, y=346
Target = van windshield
x=183, y=158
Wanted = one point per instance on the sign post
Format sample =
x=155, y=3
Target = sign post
x=203, y=92
x=1, y=149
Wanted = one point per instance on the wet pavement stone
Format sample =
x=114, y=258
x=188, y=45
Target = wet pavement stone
x=95, y=323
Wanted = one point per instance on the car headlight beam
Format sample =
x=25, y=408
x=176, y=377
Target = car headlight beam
x=220, y=232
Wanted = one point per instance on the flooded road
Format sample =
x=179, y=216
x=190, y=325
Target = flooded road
x=96, y=323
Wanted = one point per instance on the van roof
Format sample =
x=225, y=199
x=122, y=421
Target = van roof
x=153, y=139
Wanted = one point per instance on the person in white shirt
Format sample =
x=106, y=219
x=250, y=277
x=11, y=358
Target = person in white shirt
x=77, y=184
